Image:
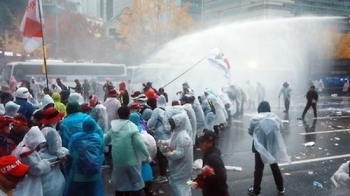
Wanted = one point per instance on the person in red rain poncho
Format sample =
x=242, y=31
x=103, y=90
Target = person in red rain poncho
x=124, y=95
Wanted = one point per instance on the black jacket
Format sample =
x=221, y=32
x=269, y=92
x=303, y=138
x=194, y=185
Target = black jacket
x=310, y=95
x=215, y=185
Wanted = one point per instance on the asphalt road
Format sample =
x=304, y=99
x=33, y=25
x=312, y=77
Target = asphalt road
x=317, y=163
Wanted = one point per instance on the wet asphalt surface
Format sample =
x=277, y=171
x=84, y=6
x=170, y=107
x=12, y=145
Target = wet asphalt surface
x=330, y=133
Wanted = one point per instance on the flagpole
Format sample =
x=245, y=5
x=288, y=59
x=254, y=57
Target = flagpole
x=185, y=71
x=43, y=43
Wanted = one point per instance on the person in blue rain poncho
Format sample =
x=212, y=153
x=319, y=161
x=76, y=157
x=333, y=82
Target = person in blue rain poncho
x=209, y=113
x=146, y=170
x=179, y=151
x=128, y=151
x=156, y=122
x=268, y=146
x=28, y=153
x=78, y=183
x=71, y=125
x=53, y=182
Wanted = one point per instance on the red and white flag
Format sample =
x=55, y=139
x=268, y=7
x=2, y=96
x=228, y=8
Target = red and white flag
x=31, y=27
x=218, y=60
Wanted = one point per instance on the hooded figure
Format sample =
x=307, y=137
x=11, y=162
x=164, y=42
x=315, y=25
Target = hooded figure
x=128, y=151
x=220, y=113
x=179, y=151
x=156, y=120
x=11, y=109
x=28, y=153
x=47, y=102
x=209, y=113
x=98, y=112
x=112, y=104
x=191, y=115
x=235, y=94
x=76, y=97
x=146, y=169
x=71, y=125
x=268, y=146
x=58, y=105
x=79, y=184
x=286, y=91
x=230, y=107
x=53, y=182
x=13, y=84
x=35, y=88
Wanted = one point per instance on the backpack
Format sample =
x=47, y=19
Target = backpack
x=89, y=157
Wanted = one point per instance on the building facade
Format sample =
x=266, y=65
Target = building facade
x=217, y=11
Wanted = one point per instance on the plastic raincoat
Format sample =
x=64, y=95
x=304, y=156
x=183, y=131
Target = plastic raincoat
x=99, y=114
x=173, y=110
x=46, y=101
x=58, y=104
x=286, y=92
x=229, y=106
x=220, y=112
x=112, y=104
x=180, y=157
x=157, y=119
x=127, y=146
x=208, y=114
x=77, y=183
x=192, y=116
x=199, y=116
x=265, y=128
x=235, y=94
x=341, y=179
x=26, y=153
x=35, y=87
x=76, y=97
x=53, y=182
x=146, y=170
x=11, y=108
x=69, y=126
x=13, y=84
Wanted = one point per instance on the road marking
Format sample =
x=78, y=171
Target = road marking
x=314, y=160
x=330, y=131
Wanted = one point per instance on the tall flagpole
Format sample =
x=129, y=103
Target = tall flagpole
x=43, y=44
x=185, y=71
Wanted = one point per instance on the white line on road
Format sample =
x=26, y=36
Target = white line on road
x=330, y=131
x=314, y=160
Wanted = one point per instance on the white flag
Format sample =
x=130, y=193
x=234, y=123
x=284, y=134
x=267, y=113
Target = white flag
x=218, y=60
x=31, y=27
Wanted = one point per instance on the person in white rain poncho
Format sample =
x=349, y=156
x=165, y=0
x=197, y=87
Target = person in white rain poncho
x=198, y=113
x=112, y=104
x=341, y=179
x=47, y=102
x=185, y=102
x=220, y=113
x=268, y=146
x=286, y=91
x=53, y=182
x=161, y=132
x=28, y=153
x=179, y=151
x=235, y=94
x=35, y=87
x=230, y=107
x=11, y=109
x=98, y=113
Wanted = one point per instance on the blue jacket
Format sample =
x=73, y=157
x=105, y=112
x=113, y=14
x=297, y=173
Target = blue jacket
x=27, y=109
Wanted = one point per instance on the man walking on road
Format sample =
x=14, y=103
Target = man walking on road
x=312, y=98
x=268, y=147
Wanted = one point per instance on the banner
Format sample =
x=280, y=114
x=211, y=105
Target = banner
x=218, y=60
x=31, y=27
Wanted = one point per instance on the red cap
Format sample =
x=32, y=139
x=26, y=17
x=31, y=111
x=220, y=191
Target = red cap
x=52, y=115
x=5, y=120
x=10, y=165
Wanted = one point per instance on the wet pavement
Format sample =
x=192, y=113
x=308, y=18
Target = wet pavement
x=330, y=132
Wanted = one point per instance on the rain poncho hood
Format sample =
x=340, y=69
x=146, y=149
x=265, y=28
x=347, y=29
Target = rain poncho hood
x=31, y=140
x=156, y=122
x=58, y=105
x=174, y=110
x=265, y=128
x=11, y=108
x=161, y=102
x=46, y=101
x=76, y=97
